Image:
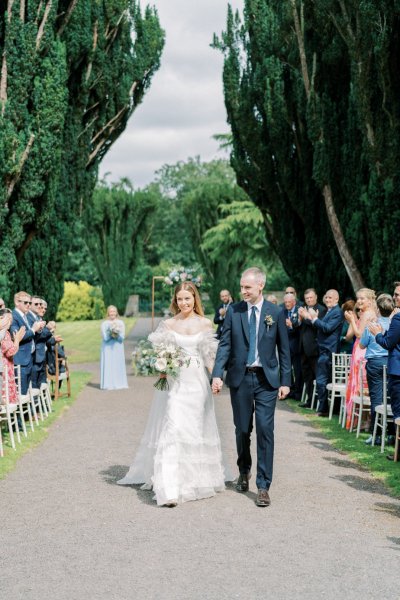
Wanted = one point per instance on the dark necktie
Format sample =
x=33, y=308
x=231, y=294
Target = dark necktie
x=251, y=357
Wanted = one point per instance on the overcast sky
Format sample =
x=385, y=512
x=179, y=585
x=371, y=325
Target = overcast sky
x=184, y=106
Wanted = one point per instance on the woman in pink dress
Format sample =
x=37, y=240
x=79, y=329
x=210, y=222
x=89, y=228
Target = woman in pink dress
x=366, y=306
x=9, y=347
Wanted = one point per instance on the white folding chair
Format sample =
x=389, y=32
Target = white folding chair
x=397, y=438
x=384, y=414
x=46, y=396
x=361, y=404
x=9, y=413
x=337, y=388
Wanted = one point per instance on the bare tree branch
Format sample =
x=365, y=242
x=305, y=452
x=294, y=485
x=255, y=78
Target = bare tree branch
x=12, y=183
x=67, y=17
x=42, y=26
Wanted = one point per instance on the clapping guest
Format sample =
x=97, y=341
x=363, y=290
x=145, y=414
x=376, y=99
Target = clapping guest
x=346, y=337
x=293, y=323
x=2, y=304
x=41, y=338
x=220, y=313
x=9, y=347
x=51, y=351
x=272, y=298
x=113, y=370
x=24, y=356
x=309, y=350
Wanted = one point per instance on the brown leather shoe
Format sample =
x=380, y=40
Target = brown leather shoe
x=242, y=484
x=263, y=498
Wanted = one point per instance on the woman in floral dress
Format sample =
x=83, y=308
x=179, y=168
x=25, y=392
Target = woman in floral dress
x=9, y=347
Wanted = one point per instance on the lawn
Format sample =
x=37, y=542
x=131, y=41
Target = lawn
x=82, y=339
x=10, y=458
x=368, y=457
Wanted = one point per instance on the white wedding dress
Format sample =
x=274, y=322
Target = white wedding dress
x=180, y=452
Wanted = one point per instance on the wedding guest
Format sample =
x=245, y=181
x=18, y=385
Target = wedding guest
x=328, y=329
x=272, y=298
x=113, y=370
x=366, y=305
x=2, y=304
x=346, y=338
x=24, y=355
x=41, y=338
x=51, y=352
x=376, y=358
x=309, y=350
x=219, y=318
x=391, y=341
x=291, y=290
x=9, y=347
x=293, y=323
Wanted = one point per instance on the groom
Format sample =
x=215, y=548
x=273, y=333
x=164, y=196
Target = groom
x=254, y=336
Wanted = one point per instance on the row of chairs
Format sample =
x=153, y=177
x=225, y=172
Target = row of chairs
x=361, y=405
x=33, y=407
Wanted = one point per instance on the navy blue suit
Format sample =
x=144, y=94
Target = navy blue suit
x=391, y=341
x=329, y=330
x=24, y=356
x=39, y=357
x=218, y=320
x=254, y=391
x=295, y=356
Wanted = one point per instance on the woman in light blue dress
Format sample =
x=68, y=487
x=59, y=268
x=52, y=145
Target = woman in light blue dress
x=113, y=370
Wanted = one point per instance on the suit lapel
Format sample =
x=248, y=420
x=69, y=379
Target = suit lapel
x=245, y=320
x=261, y=327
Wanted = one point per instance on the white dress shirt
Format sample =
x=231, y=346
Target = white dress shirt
x=257, y=362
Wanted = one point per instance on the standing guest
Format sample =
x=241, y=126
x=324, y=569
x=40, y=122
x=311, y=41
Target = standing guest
x=391, y=341
x=346, y=338
x=2, y=304
x=24, y=355
x=293, y=323
x=255, y=346
x=309, y=350
x=113, y=369
x=328, y=337
x=366, y=305
x=220, y=313
x=272, y=298
x=41, y=339
x=291, y=290
x=8, y=349
x=376, y=358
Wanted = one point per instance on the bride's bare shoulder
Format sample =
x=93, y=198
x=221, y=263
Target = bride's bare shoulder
x=206, y=323
x=169, y=323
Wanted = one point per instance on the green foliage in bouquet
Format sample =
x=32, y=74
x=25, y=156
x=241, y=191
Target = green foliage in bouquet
x=81, y=302
x=143, y=359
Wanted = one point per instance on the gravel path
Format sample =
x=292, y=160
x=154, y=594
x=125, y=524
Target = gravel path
x=68, y=532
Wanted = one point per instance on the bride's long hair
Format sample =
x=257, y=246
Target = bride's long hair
x=189, y=287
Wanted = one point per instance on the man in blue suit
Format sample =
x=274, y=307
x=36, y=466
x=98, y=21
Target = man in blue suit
x=24, y=356
x=253, y=337
x=329, y=329
x=41, y=338
x=391, y=341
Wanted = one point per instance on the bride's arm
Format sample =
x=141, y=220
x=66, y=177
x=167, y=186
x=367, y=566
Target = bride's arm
x=208, y=345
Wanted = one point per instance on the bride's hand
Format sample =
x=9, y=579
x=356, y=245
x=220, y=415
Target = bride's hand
x=217, y=384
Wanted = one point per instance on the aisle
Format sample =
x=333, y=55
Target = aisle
x=69, y=532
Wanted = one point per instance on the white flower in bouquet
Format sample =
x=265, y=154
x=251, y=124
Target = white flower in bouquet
x=160, y=364
x=168, y=360
x=115, y=330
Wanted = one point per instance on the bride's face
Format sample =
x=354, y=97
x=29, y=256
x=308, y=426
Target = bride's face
x=185, y=302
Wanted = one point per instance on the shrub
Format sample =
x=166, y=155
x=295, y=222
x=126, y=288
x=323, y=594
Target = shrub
x=81, y=302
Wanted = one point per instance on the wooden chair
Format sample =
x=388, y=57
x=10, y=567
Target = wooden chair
x=59, y=376
x=384, y=414
x=361, y=404
x=337, y=388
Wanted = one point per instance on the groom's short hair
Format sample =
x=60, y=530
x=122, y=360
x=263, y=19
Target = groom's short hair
x=256, y=273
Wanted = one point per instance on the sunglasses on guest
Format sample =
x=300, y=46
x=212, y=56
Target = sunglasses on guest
x=396, y=295
x=25, y=301
x=37, y=304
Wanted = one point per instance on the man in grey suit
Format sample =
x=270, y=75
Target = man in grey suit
x=253, y=338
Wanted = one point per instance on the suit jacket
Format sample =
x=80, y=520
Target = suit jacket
x=24, y=355
x=294, y=331
x=308, y=334
x=329, y=329
x=234, y=346
x=41, y=338
x=391, y=341
x=217, y=319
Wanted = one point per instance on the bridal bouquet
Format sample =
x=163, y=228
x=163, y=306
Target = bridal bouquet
x=167, y=361
x=115, y=330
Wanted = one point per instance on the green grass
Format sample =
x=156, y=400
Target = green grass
x=10, y=458
x=82, y=339
x=370, y=458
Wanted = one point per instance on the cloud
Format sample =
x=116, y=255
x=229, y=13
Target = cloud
x=184, y=106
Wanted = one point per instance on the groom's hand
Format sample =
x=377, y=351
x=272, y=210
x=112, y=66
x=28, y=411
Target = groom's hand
x=283, y=392
x=217, y=384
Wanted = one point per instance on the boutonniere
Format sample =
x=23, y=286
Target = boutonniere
x=269, y=321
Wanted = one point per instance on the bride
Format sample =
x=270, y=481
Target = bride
x=179, y=456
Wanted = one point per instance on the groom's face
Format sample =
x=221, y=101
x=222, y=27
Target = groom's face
x=251, y=289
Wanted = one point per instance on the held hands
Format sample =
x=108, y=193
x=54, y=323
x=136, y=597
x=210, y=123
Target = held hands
x=37, y=326
x=349, y=316
x=283, y=392
x=313, y=314
x=217, y=384
x=289, y=324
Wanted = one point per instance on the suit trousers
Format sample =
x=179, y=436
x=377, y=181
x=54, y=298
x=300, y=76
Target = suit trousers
x=255, y=395
x=309, y=370
x=296, y=387
x=394, y=392
x=324, y=376
x=26, y=376
x=38, y=374
x=374, y=368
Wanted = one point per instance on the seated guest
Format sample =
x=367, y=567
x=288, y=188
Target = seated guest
x=346, y=337
x=328, y=328
x=219, y=318
x=308, y=343
x=24, y=355
x=51, y=352
x=376, y=357
x=8, y=349
x=41, y=338
x=391, y=341
x=293, y=323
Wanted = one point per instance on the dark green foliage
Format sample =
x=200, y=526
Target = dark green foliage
x=291, y=140
x=72, y=74
x=116, y=222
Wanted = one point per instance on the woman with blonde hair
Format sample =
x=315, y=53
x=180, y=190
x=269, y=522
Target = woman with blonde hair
x=179, y=456
x=366, y=305
x=112, y=361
